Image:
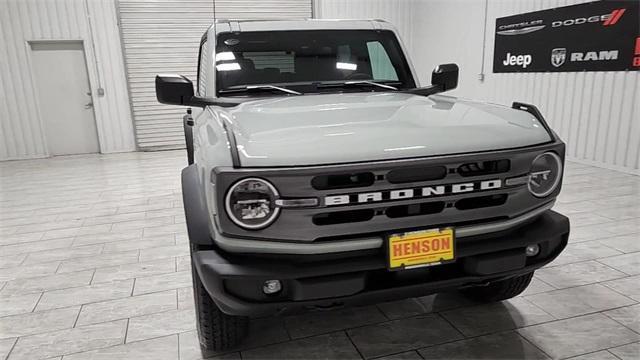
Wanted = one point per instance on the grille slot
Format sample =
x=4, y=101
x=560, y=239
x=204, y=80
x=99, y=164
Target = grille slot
x=399, y=211
x=484, y=168
x=481, y=202
x=343, y=217
x=342, y=181
x=415, y=174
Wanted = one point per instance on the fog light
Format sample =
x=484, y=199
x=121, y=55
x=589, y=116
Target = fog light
x=271, y=286
x=532, y=250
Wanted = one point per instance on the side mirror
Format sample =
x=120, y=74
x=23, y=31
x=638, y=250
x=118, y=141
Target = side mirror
x=174, y=89
x=445, y=76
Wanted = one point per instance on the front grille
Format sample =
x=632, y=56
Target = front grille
x=386, y=213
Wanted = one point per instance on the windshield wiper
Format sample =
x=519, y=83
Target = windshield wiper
x=358, y=83
x=249, y=88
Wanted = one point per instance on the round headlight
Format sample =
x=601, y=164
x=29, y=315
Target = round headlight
x=251, y=203
x=545, y=175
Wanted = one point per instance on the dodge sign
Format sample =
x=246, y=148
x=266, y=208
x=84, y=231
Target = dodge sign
x=595, y=36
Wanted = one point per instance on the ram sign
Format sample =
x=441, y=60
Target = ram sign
x=595, y=36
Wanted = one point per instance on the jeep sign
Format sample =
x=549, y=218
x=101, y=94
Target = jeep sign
x=595, y=36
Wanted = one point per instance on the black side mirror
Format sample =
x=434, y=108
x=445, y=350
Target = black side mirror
x=174, y=89
x=445, y=76
x=178, y=90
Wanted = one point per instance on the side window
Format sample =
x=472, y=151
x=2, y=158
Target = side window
x=381, y=65
x=202, y=69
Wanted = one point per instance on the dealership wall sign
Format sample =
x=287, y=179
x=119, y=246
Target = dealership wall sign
x=594, y=36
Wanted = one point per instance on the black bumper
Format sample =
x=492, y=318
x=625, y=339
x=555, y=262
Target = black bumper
x=235, y=282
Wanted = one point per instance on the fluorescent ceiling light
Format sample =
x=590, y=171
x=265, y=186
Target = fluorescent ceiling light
x=228, y=66
x=346, y=66
x=226, y=55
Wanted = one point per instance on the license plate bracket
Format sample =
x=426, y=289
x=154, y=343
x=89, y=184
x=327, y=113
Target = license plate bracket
x=420, y=248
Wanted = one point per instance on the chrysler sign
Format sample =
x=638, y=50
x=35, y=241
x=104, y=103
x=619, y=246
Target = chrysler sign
x=595, y=36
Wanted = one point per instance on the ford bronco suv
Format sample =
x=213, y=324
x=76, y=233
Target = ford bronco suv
x=321, y=174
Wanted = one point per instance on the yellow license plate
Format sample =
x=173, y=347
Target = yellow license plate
x=421, y=248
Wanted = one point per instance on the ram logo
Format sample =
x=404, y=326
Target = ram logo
x=412, y=193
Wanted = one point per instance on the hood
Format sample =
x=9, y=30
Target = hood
x=356, y=127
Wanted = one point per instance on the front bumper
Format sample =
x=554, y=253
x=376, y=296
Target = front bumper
x=235, y=282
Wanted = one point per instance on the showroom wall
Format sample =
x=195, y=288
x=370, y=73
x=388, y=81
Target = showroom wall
x=596, y=113
x=92, y=21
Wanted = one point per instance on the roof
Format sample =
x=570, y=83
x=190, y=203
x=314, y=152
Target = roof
x=302, y=24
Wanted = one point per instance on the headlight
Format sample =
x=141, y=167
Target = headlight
x=251, y=204
x=545, y=175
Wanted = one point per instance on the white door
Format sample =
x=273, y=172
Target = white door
x=64, y=96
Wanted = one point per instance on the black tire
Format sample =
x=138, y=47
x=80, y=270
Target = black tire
x=217, y=331
x=499, y=290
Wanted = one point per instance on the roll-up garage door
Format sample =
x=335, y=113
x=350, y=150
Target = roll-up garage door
x=163, y=36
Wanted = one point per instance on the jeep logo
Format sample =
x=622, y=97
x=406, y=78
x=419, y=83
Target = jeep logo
x=520, y=60
x=413, y=193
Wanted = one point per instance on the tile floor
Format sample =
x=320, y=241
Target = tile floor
x=94, y=264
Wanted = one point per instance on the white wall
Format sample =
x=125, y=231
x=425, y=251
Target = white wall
x=596, y=113
x=94, y=21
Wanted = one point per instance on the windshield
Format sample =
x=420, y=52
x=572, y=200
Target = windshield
x=303, y=59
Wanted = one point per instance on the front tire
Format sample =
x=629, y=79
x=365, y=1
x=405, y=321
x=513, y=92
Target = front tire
x=217, y=331
x=499, y=290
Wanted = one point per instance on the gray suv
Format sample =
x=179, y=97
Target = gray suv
x=321, y=174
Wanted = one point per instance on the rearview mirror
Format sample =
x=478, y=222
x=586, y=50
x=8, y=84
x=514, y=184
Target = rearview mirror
x=445, y=76
x=174, y=89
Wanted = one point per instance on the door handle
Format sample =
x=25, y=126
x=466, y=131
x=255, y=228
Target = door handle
x=88, y=105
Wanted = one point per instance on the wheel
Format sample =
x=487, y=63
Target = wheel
x=217, y=331
x=499, y=290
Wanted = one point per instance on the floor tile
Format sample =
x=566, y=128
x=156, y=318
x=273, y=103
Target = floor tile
x=106, y=237
x=185, y=298
x=38, y=322
x=23, y=272
x=577, y=274
x=11, y=260
x=85, y=294
x=62, y=254
x=18, y=304
x=578, y=335
x=130, y=271
x=627, y=352
x=401, y=335
x=587, y=250
x=579, y=300
x=163, y=348
x=47, y=283
x=445, y=301
x=164, y=252
x=160, y=324
x=162, y=282
x=507, y=345
x=315, y=323
x=402, y=308
x=627, y=263
x=490, y=318
x=127, y=307
x=598, y=355
x=134, y=244
x=5, y=346
x=623, y=243
x=628, y=316
x=69, y=341
x=629, y=286
x=329, y=346
x=408, y=355
x=98, y=261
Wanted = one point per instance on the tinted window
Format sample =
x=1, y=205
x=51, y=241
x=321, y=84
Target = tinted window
x=295, y=58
